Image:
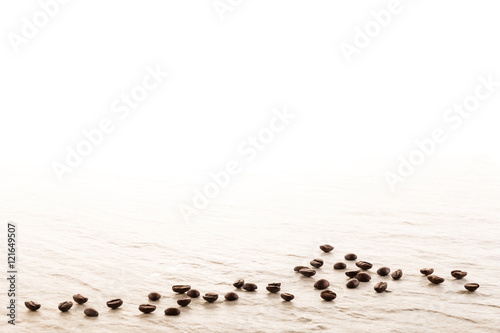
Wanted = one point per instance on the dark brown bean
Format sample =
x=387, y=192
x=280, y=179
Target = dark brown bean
x=181, y=288
x=350, y=257
x=435, y=279
x=457, y=274
x=352, y=283
x=326, y=248
x=184, y=301
x=397, y=274
x=287, y=297
x=380, y=287
x=154, y=296
x=65, y=306
x=239, y=283
x=89, y=312
x=352, y=274
x=307, y=272
x=210, y=297
x=383, y=271
x=78, y=298
x=328, y=295
x=363, y=277
x=298, y=268
x=33, y=306
x=230, y=296
x=364, y=265
x=427, y=271
x=322, y=284
x=193, y=293
x=339, y=265
x=274, y=287
x=316, y=263
x=172, y=311
x=250, y=286
x=114, y=303
x=471, y=286
x=147, y=308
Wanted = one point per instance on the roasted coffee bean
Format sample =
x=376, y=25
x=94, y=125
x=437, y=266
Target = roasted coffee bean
x=172, y=312
x=352, y=283
x=326, y=248
x=181, y=288
x=363, y=277
x=65, y=306
x=380, y=287
x=328, y=295
x=317, y=263
x=154, y=296
x=322, y=284
x=383, y=271
x=193, y=293
x=184, y=301
x=352, y=274
x=307, y=272
x=33, y=306
x=89, y=312
x=457, y=274
x=435, y=279
x=147, y=308
x=287, y=296
x=339, y=265
x=298, y=268
x=114, y=303
x=471, y=286
x=250, y=286
x=427, y=271
x=397, y=274
x=230, y=296
x=364, y=265
x=350, y=256
x=273, y=287
x=80, y=299
x=239, y=283
x=210, y=297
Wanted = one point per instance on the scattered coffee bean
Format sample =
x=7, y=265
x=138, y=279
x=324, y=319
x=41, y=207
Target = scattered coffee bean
x=181, y=288
x=316, y=263
x=364, y=265
x=380, y=287
x=239, y=283
x=435, y=279
x=89, y=312
x=352, y=274
x=350, y=256
x=147, y=308
x=298, y=268
x=457, y=274
x=80, y=299
x=383, y=271
x=339, y=265
x=114, y=303
x=326, y=248
x=287, y=296
x=427, y=271
x=352, y=283
x=172, y=312
x=250, y=286
x=154, y=296
x=33, y=306
x=307, y=272
x=65, y=306
x=184, y=301
x=274, y=287
x=363, y=277
x=230, y=296
x=193, y=293
x=471, y=286
x=328, y=295
x=210, y=297
x=397, y=274
x=322, y=284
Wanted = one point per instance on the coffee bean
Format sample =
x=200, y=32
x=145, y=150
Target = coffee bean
x=65, y=306
x=471, y=286
x=457, y=274
x=380, y=287
x=322, y=284
x=114, y=303
x=154, y=296
x=352, y=274
x=172, y=311
x=33, y=306
x=326, y=248
x=298, y=268
x=397, y=274
x=383, y=271
x=363, y=277
x=352, y=283
x=147, y=308
x=184, y=301
x=350, y=256
x=239, y=283
x=193, y=293
x=317, y=263
x=274, y=287
x=181, y=288
x=80, y=299
x=339, y=265
x=435, y=279
x=427, y=271
x=89, y=312
x=364, y=265
x=250, y=286
x=307, y=272
x=210, y=297
x=230, y=296
x=287, y=296
x=328, y=295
